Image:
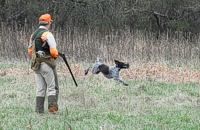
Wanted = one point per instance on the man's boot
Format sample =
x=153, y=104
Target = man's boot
x=39, y=105
x=52, y=104
x=57, y=97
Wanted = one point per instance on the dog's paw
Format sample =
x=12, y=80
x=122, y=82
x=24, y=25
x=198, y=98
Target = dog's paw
x=86, y=72
x=125, y=84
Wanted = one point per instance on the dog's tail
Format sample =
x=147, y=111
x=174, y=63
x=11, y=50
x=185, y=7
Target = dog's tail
x=97, y=58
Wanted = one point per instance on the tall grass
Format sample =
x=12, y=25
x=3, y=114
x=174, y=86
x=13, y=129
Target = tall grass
x=82, y=46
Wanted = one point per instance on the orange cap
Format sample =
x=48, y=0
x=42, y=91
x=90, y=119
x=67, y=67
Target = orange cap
x=45, y=19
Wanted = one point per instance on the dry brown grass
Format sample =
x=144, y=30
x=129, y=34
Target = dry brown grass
x=149, y=57
x=160, y=72
x=123, y=45
x=137, y=71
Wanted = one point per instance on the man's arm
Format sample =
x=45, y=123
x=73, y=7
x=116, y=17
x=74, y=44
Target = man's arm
x=49, y=38
x=30, y=45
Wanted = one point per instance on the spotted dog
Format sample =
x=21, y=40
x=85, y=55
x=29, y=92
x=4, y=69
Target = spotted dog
x=108, y=71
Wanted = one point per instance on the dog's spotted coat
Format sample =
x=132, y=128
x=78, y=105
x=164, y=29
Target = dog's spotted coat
x=108, y=71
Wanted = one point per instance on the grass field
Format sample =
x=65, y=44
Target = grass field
x=98, y=103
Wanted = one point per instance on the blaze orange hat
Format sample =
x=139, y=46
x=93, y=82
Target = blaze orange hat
x=45, y=19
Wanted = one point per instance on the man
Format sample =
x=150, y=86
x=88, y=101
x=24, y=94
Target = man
x=43, y=50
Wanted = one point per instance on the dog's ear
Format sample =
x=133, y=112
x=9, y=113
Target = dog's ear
x=116, y=61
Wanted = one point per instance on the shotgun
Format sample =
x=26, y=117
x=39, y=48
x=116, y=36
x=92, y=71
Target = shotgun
x=65, y=60
x=46, y=46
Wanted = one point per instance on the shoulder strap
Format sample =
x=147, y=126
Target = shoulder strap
x=33, y=42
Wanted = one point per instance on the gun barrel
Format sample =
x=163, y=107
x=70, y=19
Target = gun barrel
x=65, y=60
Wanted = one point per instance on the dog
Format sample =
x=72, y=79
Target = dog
x=108, y=71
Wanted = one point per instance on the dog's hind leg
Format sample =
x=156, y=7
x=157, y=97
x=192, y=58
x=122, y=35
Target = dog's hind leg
x=86, y=70
x=94, y=71
x=97, y=59
x=95, y=68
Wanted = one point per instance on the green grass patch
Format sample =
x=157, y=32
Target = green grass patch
x=99, y=103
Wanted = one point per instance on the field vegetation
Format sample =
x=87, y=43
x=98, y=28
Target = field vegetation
x=163, y=78
x=99, y=103
x=159, y=38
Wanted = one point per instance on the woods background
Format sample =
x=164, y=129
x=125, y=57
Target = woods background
x=149, y=30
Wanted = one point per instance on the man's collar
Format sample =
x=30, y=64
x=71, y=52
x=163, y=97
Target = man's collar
x=43, y=27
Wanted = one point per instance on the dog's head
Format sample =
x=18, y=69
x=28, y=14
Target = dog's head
x=121, y=65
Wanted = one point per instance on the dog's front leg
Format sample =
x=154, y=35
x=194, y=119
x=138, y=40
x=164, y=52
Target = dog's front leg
x=119, y=80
